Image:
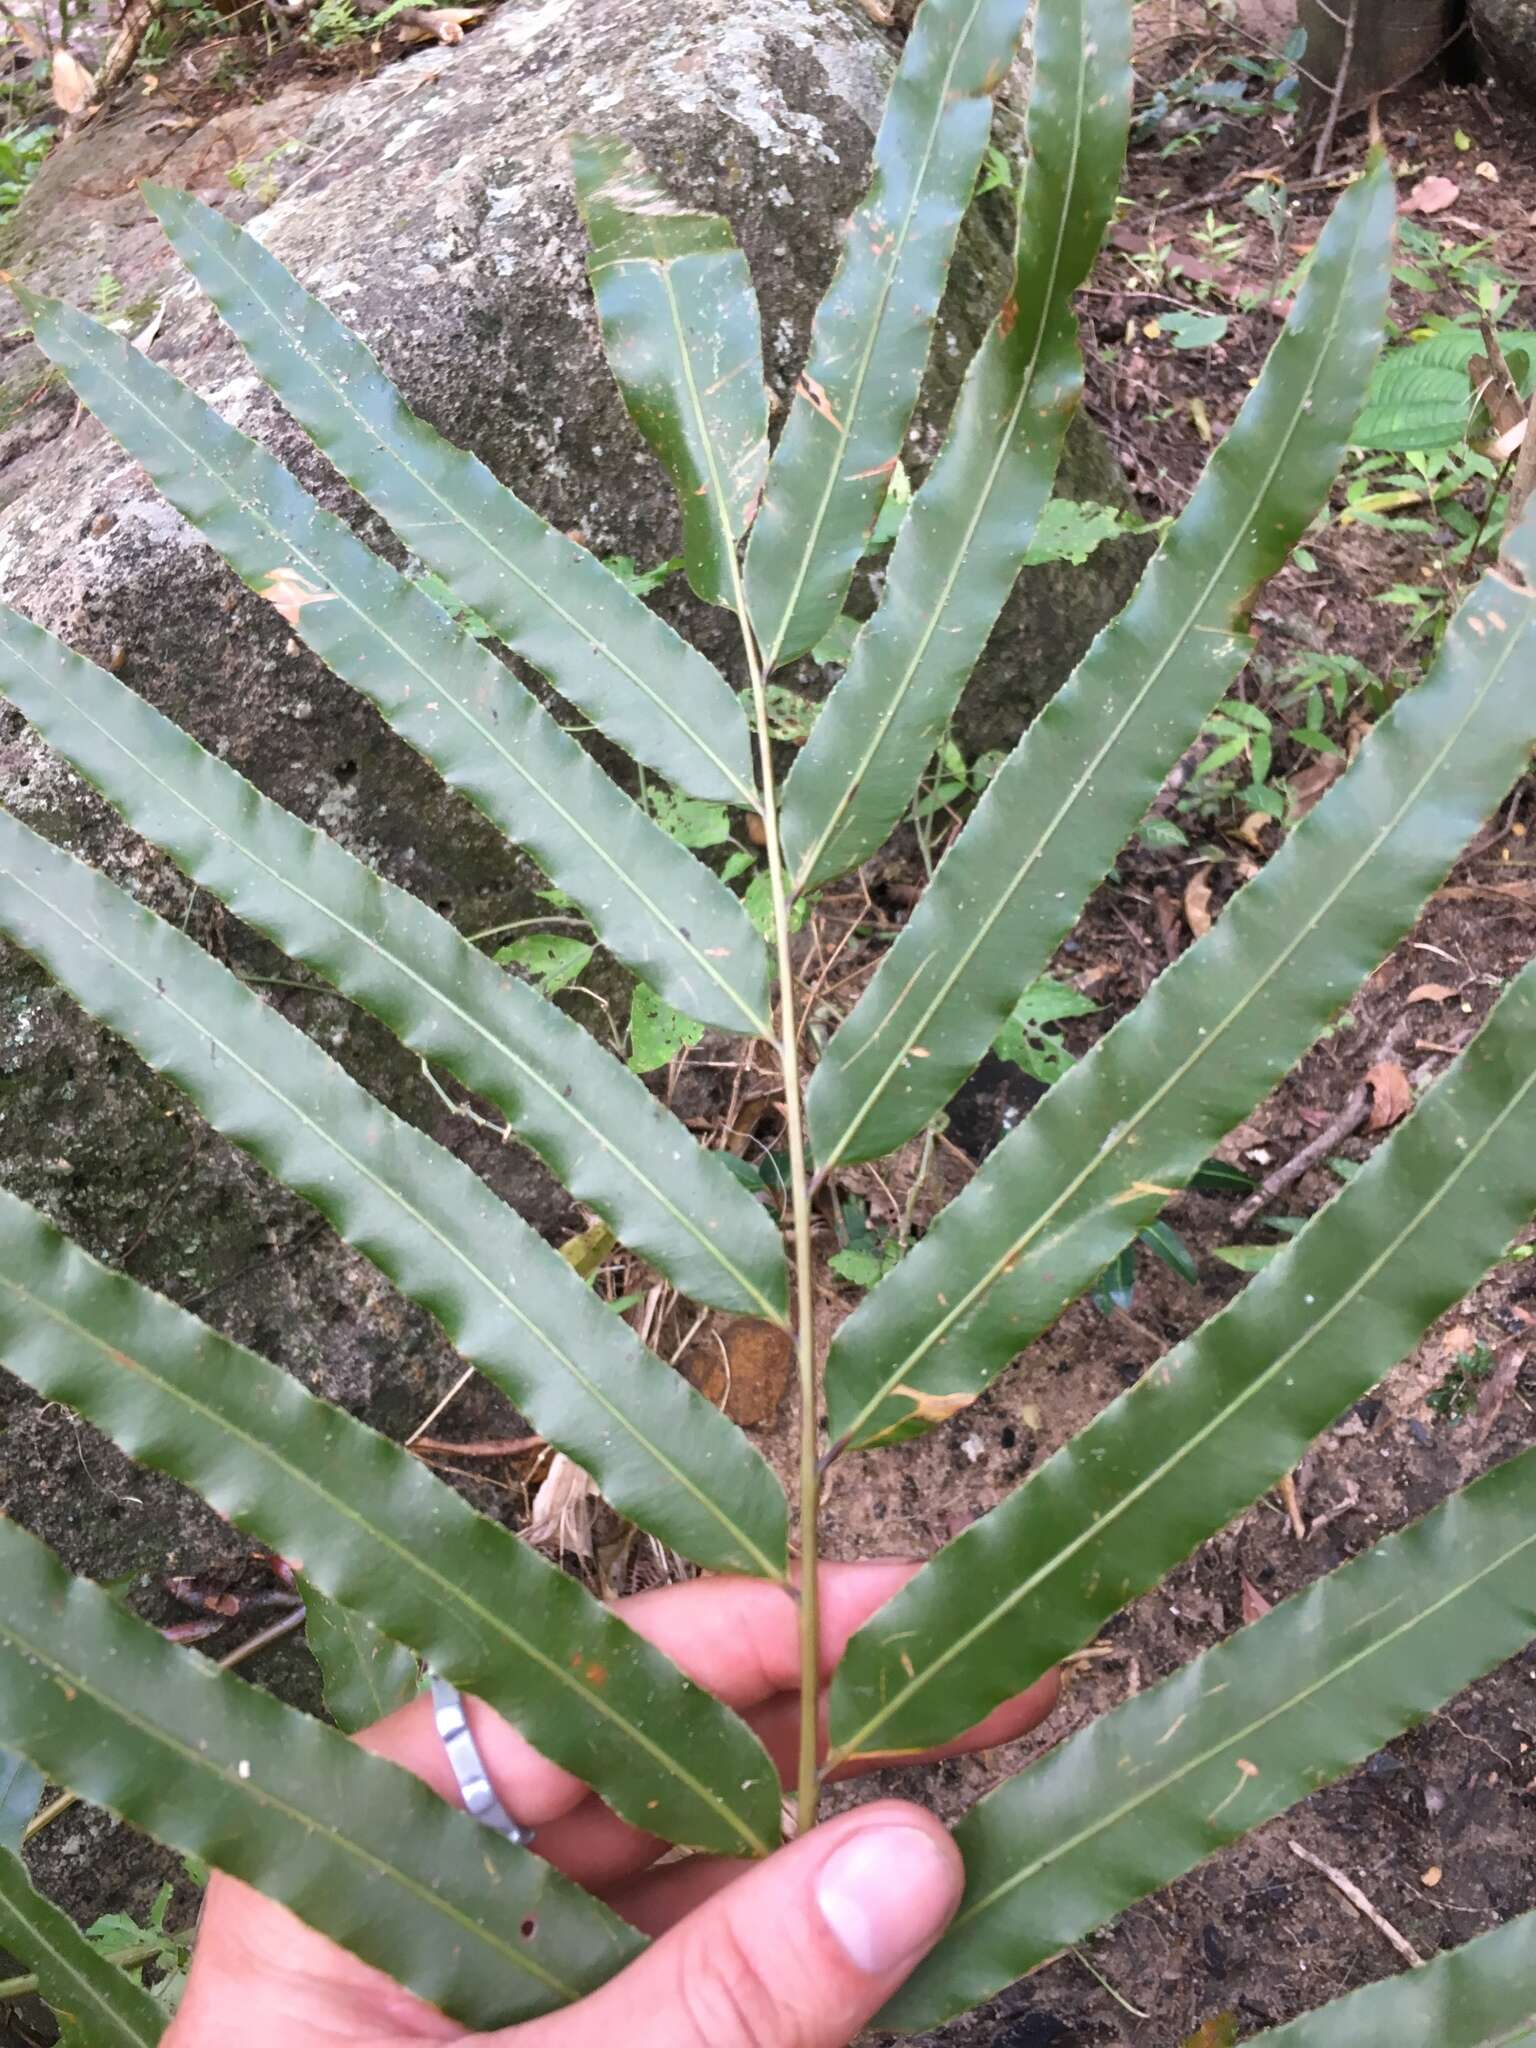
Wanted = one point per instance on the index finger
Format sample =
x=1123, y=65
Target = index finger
x=738, y=1638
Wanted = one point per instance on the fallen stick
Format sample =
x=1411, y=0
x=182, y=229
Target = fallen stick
x=491, y=1447
x=1293, y=1507
x=1348, y=1120
x=1361, y=1904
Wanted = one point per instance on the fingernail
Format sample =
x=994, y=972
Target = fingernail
x=885, y=1895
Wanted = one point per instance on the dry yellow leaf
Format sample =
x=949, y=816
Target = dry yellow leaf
x=288, y=593
x=73, y=86
x=1391, y=1095
x=1197, y=901
x=935, y=1407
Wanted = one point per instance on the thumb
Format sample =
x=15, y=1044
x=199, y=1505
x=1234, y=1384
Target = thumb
x=800, y=1952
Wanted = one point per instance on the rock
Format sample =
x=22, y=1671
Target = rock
x=1506, y=35
x=743, y=1366
x=431, y=205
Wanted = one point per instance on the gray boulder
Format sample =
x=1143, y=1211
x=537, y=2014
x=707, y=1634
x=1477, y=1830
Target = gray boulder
x=1506, y=35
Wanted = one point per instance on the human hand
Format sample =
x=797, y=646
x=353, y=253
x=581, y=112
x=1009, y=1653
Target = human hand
x=799, y=1951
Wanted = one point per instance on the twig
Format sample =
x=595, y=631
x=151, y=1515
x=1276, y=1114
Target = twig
x=1293, y=1507
x=492, y=1447
x=447, y=1401
x=272, y=1633
x=1523, y=488
x=117, y=61
x=1361, y=1904
x=1348, y=1120
x=1104, y=1984
x=1349, y=1499
x=1336, y=97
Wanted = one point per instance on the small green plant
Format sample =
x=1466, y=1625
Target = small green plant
x=392, y=1558
x=1455, y=1398
x=335, y=23
x=867, y=1255
x=21, y=157
x=260, y=178
x=120, y=1940
x=106, y=297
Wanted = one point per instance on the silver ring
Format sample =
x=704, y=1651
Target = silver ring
x=468, y=1768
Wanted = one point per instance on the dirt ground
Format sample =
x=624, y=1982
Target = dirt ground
x=1254, y=1934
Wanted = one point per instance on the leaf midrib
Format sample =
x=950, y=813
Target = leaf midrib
x=982, y=502
x=845, y=434
x=188, y=1755
x=457, y=517
x=600, y=1400
x=1109, y=740
x=17, y=1904
x=450, y=1591
x=432, y=991
x=1094, y=1530
x=1215, y=1034
x=288, y=545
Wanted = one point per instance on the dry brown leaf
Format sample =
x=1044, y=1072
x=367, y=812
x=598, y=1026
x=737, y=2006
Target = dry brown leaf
x=30, y=37
x=1391, y=1095
x=1251, y=830
x=816, y=398
x=1431, y=992
x=437, y=24
x=1219, y=2032
x=1255, y=1606
x=1311, y=785
x=563, y=1509
x=1431, y=195
x=934, y=1407
x=288, y=593
x=73, y=86
x=1197, y=901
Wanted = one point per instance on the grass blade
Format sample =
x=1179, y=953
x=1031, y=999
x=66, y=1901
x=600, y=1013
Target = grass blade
x=1067, y=798
x=511, y=1304
x=680, y=325
x=869, y=344
x=962, y=544
x=1224, y=1416
x=545, y=596
x=593, y=1123
x=382, y=1538
x=1097, y=1158
x=1481, y=1995
x=1288, y=1704
x=356, y=1847
x=662, y=912
x=98, y=2004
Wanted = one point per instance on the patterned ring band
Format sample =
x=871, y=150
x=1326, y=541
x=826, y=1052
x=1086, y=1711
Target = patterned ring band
x=464, y=1760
